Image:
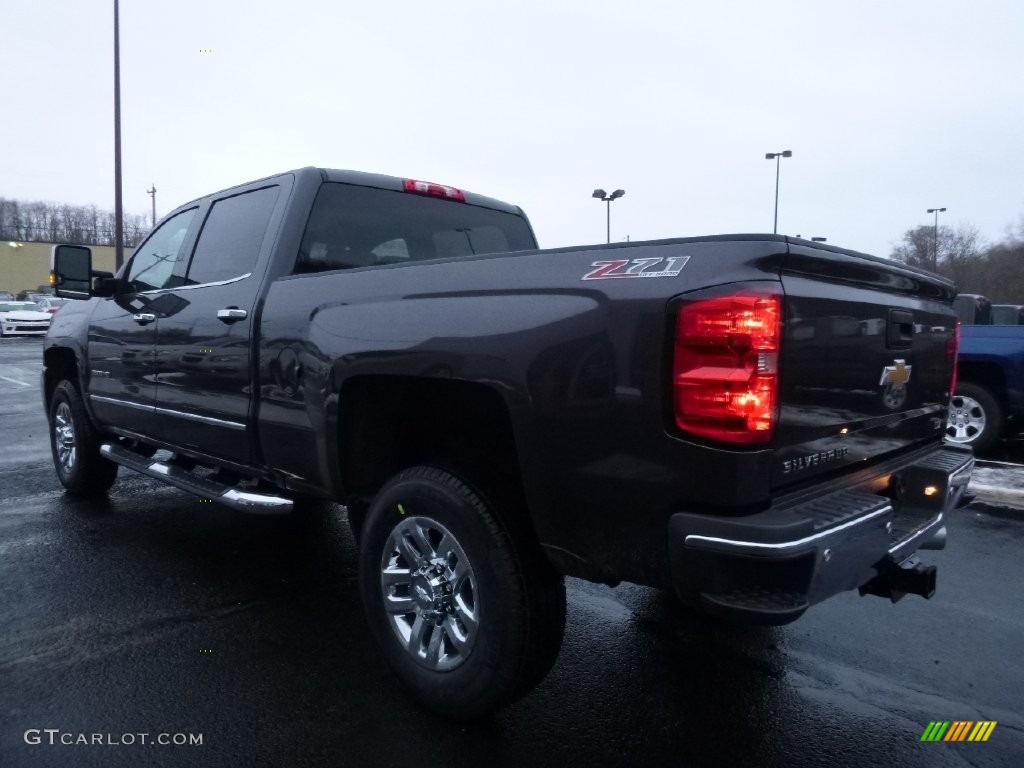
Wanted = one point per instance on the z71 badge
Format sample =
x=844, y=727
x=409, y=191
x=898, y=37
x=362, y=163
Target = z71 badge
x=616, y=269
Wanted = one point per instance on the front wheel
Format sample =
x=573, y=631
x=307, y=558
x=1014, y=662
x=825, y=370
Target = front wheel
x=81, y=468
x=466, y=609
x=975, y=418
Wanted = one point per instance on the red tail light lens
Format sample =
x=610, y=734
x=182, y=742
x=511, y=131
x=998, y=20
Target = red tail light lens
x=726, y=369
x=952, y=353
x=431, y=189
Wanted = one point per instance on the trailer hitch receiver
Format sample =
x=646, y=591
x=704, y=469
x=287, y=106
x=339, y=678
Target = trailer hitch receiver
x=895, y=580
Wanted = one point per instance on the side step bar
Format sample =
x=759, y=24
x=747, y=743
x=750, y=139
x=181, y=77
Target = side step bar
x=243, y=501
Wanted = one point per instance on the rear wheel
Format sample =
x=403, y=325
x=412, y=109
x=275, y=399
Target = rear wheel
x=81, y=468
x=975, y=418
x=468, y=612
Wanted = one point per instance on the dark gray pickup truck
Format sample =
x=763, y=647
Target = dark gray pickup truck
x=751, y=421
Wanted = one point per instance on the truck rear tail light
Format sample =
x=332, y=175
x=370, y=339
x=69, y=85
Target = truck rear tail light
x=952, y=353
x=725, y=373
x=431, y=189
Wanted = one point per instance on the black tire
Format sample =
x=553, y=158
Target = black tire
x=75, y=445
x=975, y=417
x=498, y=578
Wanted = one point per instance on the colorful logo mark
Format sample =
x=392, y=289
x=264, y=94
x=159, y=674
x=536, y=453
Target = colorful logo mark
x=958, y=730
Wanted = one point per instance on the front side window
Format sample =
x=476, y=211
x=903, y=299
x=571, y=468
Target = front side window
x=353, y=226
x=231, y=237
x=153, y=263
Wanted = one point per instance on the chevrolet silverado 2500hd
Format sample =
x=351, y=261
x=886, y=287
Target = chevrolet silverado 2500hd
x=753, y=421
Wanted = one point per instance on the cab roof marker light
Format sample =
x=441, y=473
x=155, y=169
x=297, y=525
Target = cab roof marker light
x=431, y=189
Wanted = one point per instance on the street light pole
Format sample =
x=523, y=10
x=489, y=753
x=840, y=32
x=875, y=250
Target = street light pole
x=776, y=157
x=600, y=194
x=935, y=238
x=118, y=216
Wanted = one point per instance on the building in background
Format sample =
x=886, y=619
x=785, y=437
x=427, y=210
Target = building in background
x=26, y=266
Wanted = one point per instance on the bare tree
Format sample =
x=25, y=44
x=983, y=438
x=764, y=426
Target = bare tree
x=62, y=223
x=957, y=252
x=996, y=271
x=1000, y=276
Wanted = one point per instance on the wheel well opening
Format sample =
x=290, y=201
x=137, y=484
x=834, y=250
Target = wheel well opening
x=389, y=423
x=58, y=364
x=988, y=376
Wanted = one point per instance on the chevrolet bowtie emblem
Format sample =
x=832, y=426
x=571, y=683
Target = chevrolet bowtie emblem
x=897, y=374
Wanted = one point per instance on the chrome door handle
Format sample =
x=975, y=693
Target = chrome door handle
x=231, y=315
x=143, y=318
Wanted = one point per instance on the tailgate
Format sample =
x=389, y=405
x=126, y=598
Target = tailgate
x=867, y=359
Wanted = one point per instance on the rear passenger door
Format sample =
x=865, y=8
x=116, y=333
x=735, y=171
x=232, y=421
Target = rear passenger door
x=204, y=338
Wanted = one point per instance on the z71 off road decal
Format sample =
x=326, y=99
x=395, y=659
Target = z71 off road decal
x=615, y=269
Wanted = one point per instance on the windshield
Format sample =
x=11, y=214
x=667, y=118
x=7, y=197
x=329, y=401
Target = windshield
x=18, y=306
x=353, y=226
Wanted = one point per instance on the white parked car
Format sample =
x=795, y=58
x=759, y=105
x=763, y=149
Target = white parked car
x=50, y=304
x=23, y=318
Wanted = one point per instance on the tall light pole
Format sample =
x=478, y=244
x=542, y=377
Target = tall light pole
x=600, y=194
x=776, y=157
x=118, y=231
x=935, y=238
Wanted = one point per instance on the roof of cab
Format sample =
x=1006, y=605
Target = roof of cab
x=360, y=178
x=397, y=183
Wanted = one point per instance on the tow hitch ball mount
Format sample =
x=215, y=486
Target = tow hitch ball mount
x=894, y=580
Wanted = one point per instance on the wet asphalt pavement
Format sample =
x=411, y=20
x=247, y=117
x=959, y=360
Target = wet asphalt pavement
x=158, y=613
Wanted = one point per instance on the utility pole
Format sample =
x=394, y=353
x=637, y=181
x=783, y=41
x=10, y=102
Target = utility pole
x=152, y=193
x=118, y=215
x=935, y=238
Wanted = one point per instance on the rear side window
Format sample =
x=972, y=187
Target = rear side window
x=231, y=237
x=352, y=226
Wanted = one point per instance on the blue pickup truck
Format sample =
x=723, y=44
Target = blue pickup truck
x=989, y=395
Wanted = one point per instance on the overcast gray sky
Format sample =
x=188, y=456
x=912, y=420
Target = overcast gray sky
x=889, y=107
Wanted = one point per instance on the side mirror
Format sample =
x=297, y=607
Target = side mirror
x=71, y=271
x=104, y=283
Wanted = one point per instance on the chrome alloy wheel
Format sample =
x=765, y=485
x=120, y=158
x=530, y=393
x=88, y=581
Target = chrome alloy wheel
x=966, y=420
x=430, y=593
x=64, y=437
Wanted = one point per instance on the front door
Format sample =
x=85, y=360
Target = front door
x=122, y=330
